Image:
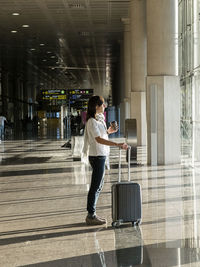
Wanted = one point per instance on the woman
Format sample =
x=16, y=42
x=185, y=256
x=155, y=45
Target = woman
x=96, y=136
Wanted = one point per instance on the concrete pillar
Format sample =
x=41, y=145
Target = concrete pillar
x=163, y=90
x=138, y=67
x=162, y=34
x=25, y=97
x=122, y=92
x=127, y=66
x=5, y=92
x=16, y=94
x=122, y=86
x=138, y=112
x=0, y=82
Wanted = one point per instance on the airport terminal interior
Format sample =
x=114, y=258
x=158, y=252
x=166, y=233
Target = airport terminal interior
x=143, y=57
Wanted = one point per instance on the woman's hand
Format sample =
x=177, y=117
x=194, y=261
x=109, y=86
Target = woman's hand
x=123, y=146
x=111, y=130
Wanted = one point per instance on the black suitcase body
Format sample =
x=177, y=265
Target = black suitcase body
x=126, y=200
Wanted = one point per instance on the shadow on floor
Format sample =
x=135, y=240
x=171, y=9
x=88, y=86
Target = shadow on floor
x=27, y=160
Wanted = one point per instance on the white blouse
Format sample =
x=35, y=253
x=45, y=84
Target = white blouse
x=97, y=128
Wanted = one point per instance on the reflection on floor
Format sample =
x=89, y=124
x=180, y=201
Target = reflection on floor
x=42, y=211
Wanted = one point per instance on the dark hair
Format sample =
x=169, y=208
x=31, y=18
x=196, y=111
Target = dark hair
x=92, y=103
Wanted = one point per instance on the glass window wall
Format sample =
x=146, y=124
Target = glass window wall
x=189, y=71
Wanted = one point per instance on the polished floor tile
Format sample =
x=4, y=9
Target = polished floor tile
x=43, y=193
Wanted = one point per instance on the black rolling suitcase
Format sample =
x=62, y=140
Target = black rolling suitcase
x=126, y=199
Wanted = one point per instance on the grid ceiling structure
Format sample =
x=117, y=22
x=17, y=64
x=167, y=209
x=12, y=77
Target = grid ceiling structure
x=69, y=37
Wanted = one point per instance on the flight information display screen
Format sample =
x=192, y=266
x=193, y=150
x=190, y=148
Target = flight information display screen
x=78, y=98
x=80, y=93
x=59, y=94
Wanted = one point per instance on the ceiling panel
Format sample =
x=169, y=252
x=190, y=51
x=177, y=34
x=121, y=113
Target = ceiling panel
x=78, y=32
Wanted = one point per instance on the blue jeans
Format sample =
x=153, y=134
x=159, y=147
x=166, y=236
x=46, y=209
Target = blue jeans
x=97, y=181
x=1, y=132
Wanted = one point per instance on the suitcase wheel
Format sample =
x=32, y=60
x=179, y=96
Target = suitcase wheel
x=116, y=224
x=136, y=223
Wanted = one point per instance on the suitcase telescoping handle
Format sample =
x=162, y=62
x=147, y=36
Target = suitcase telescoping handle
x=129, y=160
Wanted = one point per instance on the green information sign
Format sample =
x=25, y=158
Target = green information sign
x=54, y=94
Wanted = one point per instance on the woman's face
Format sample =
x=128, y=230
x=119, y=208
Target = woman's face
x=100, y=109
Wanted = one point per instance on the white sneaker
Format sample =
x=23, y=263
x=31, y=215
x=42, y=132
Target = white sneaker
x=95, y=220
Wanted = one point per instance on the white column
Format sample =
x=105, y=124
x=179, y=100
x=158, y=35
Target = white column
x=138, y=67
x=163, y=129
x=162, y=34
x=122, y=91
x=127, y=67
